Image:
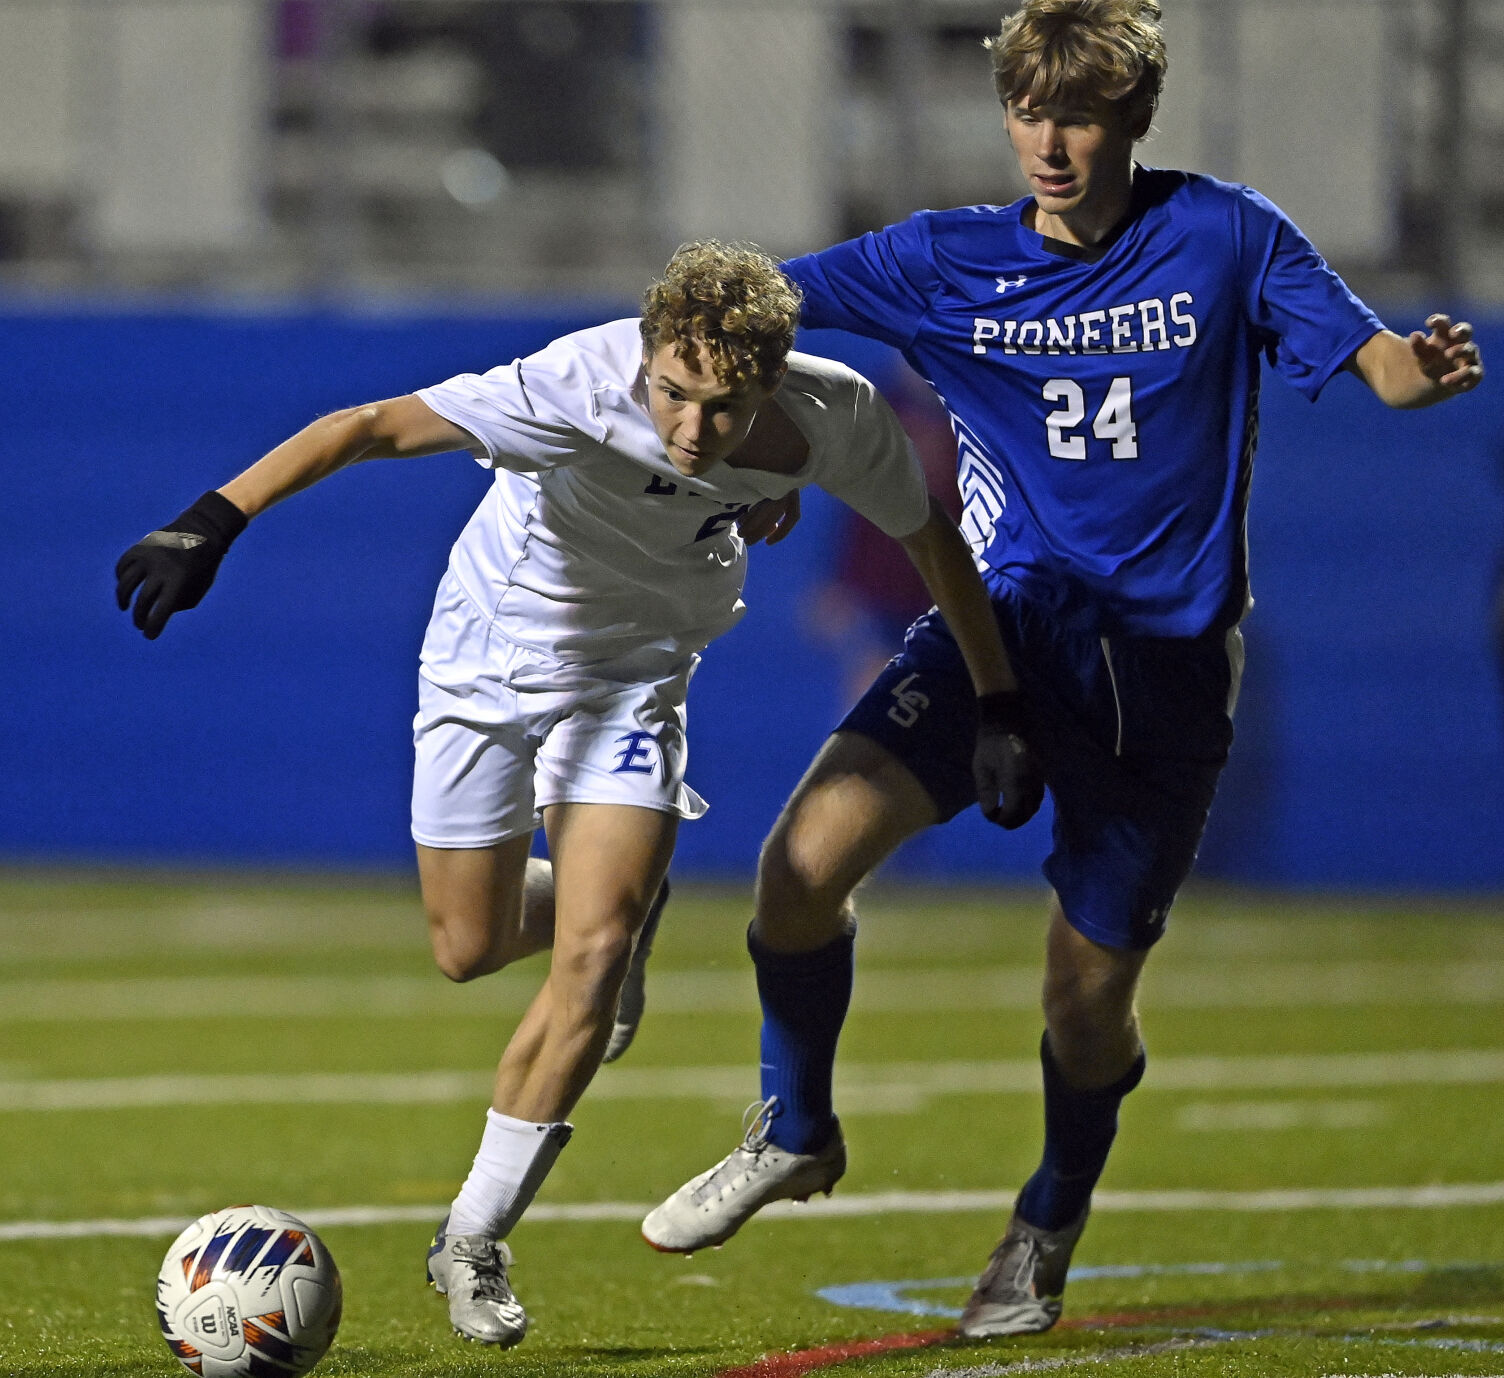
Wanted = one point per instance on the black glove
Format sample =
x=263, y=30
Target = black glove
x=174, y=567
x=1010, y=784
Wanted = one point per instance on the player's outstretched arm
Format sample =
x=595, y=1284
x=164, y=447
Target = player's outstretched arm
x=171, y=570
x=1431, y=366
x=1010, y=785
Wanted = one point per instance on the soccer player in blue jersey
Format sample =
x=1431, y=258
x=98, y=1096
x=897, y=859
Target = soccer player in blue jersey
x=1098, y=346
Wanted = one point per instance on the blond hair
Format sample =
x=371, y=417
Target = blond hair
x=733, y=300
x=1075, y=51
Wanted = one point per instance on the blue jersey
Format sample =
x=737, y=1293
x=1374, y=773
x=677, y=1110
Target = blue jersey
x=1105, y=400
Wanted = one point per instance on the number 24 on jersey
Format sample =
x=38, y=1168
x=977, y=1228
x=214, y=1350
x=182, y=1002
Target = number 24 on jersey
x=1113, y=421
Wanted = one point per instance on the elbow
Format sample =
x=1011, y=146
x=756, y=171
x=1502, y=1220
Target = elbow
x=360, y=432
x=931, y=533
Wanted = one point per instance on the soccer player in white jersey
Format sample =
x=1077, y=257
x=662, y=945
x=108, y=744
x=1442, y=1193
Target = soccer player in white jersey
x=553, y=675
x=1098, y=344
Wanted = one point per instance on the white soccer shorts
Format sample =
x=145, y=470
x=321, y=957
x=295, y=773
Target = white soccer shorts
x=495, y=742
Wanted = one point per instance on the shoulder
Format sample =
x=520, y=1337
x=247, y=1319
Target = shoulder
x=586, y=372
x=918, y=244
x=834, y=405
x=948, y=231
x=826, y=383
x=609, y=353
x=965, y=244
x=1211, y=217
x=982, y=218
x=1200, y=194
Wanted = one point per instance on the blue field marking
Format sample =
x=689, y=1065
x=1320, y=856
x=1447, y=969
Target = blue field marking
x=1144, y=1270
x=890, y=1296
x=893, y=1296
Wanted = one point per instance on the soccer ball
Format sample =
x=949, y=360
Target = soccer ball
x=248, y=1292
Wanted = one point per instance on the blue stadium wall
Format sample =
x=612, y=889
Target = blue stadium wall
x=270, y=727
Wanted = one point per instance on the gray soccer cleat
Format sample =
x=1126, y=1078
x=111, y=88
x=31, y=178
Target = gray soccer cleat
x=471, y=1270
x=1020, y=1290
x=633, y=997
x=712, y=1207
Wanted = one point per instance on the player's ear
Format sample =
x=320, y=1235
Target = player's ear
x=1138, y=117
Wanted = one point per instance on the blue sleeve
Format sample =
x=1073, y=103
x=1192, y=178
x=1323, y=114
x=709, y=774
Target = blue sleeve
x=1310, y=322
x=878, y=285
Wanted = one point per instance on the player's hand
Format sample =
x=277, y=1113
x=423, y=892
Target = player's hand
x=171, y=569
x=1010, y=784
x=1449, y=355
x=771, y=519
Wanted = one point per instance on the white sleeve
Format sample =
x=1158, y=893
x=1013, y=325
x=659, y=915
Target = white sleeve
x=532, y=414
x=873, y=468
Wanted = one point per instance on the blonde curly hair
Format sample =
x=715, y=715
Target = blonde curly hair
x=1066, y=51
x=731, y=298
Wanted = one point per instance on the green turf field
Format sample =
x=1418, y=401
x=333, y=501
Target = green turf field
x=1311, y=1180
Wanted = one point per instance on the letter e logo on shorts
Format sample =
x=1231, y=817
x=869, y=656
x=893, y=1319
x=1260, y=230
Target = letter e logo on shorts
x=636, y=757
x=908, y=703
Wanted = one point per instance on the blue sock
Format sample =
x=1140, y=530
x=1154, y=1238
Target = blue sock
x=804, y=997
x=1079, y=1127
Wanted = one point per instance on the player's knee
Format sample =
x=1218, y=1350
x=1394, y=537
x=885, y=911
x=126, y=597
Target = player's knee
x=801, y=867
x=1086, y=998
x=1092, y=1023
x=459, y=960
x=462, y=944
x=782, y=881
x=459, y=965
x=798, y=909
x=594, y=962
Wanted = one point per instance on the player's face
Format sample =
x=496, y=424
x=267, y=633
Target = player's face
x=1077, y=157
x=699, y=419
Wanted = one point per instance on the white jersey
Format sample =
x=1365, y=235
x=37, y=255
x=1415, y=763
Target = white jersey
x=591, y=548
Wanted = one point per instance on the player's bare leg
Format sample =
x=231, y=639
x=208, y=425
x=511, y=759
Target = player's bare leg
x=486, y=906
x=855, y=804
x=853, y=807
x=609, y=863
x=1092, y=1057
x=477, y=924
x=1089, y=1009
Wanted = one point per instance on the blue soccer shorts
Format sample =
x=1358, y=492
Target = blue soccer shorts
x=1132, y=733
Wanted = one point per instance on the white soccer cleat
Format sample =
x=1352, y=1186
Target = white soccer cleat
x=471, y=1270
x=1022, y=1288
x=633, y=998
x=712, y=1207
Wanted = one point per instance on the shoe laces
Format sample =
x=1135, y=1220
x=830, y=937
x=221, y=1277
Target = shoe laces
x=1014, y=1266
x=757, y=1123
x=1026, y=1262
x=488, y=1267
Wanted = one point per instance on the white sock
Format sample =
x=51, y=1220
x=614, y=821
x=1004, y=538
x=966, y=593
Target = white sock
x=514, y=1158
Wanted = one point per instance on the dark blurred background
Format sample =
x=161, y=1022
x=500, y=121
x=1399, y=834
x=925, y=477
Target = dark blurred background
x=221, y=218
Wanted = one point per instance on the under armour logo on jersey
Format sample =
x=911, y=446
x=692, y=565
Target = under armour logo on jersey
x=1003, y=284
x=636, y=757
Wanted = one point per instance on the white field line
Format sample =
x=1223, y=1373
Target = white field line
x=1468, y=1194
x=886, y=1087
x=1052, y=1364
x=1205, y=986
